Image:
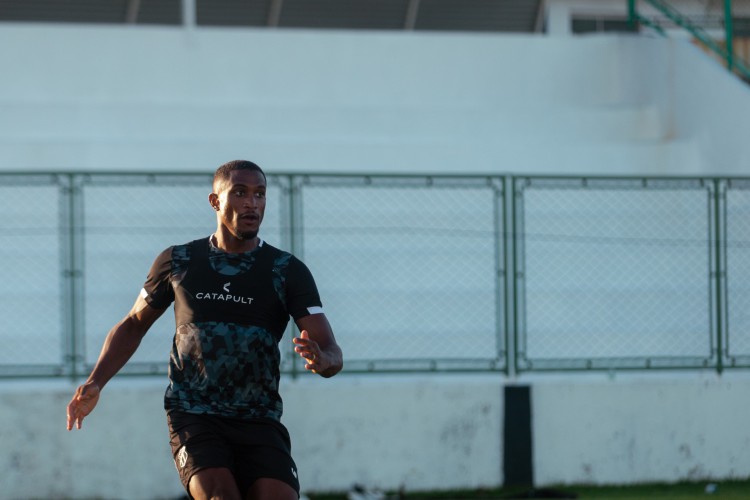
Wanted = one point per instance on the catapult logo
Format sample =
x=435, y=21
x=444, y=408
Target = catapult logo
x=225, y=296
x=181, y=459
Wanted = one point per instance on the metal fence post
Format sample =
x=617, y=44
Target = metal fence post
x=72, y=227
x=720, y=263
x=296, y=247
x=729, y=33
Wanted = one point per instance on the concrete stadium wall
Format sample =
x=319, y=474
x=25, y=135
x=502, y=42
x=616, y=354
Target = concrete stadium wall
x=417, y=433
x=94, y=98
x=639, y=429
x=421, y=432
x=149, y=99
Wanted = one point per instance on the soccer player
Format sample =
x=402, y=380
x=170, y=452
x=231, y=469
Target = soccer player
x=233, y=295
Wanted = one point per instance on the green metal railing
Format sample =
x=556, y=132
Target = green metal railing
x=726, y=53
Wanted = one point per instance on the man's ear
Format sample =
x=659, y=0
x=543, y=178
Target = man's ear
x=213, y=199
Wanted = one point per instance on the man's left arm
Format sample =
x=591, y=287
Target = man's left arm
x=317, y=345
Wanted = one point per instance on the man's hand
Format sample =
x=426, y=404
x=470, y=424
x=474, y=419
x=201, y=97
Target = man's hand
x=317, y=345
x=315, y=359
x=82, y=404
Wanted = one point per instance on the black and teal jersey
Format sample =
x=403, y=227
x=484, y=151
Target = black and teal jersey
x=231, y=311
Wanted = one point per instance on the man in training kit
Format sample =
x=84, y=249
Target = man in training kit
x=233, y=295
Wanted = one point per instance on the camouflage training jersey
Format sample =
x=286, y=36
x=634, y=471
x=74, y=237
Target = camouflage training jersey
x=231, y=311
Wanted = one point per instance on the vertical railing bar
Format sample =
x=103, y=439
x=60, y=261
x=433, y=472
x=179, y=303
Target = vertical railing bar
x=501, y=269
x=632, y=15
x=713, y=273
x=284, y=184
x=729, y=34
x=509, y=276
x=711, y=236
x=72, y=277
x=724, y=282
x=718, y=263
x=295, y=242
x=517, y=256
x=78, y=257
x=66, y=235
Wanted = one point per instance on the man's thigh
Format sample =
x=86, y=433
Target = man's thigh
x=261, y=467
x=197, y=446
x=252, y=451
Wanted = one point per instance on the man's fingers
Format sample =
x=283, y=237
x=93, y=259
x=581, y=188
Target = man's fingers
x=309, y=351
x=311, y=355
x=70, y=412
x=81, y=405
x=304, y=344
x=73, y=417
x=304, y=338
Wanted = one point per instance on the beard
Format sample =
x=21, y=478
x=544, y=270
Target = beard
x=245, y=235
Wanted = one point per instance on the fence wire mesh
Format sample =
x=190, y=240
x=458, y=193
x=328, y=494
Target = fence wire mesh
x=409, y=268
x=615, y=273
x=416, y=273
x=738, y=272
x=32, y=275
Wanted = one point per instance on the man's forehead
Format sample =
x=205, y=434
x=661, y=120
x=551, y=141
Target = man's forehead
x=245, y=178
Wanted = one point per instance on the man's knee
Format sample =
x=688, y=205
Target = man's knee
x=271, y=489
x=214, y=484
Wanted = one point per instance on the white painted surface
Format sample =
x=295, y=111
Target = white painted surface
x=419, y=432
x=652, y=429
x=101, y=98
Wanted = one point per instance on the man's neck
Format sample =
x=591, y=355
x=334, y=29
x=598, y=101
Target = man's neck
x=232, y=244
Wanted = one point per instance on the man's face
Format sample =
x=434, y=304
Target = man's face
x=240, y=203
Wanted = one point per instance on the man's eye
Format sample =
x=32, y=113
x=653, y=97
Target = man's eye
x=239, y=193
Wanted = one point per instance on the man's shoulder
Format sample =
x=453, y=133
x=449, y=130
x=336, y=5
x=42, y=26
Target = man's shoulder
x=286, y=263
x=179, y=253
x=182, y=250
x=275, y=251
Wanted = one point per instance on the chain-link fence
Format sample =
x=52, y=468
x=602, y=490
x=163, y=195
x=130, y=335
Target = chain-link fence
x=417, y=273
x=616, y=273
x=409, y=268
x=736, y=307
x=34, y=279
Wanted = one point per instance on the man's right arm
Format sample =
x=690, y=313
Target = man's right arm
x=121, y=342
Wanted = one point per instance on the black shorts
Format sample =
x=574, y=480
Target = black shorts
x=251, y=449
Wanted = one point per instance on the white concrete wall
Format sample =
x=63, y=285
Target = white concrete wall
x=417, y=432
x=634, y=428
x=420, y=432
x=710, y=111
x=149, y=99
x=101, y=98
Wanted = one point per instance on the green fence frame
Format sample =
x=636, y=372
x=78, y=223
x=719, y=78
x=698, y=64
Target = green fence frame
x=510, y=252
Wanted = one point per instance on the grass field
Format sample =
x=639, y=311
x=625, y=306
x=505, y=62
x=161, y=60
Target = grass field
x=719, y=490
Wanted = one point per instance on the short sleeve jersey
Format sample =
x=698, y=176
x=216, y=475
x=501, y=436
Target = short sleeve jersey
x=231, y=311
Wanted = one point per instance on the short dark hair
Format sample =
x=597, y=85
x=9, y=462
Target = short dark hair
x=224, y=171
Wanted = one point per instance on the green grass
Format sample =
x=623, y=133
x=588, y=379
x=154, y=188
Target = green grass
x=725, y=490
